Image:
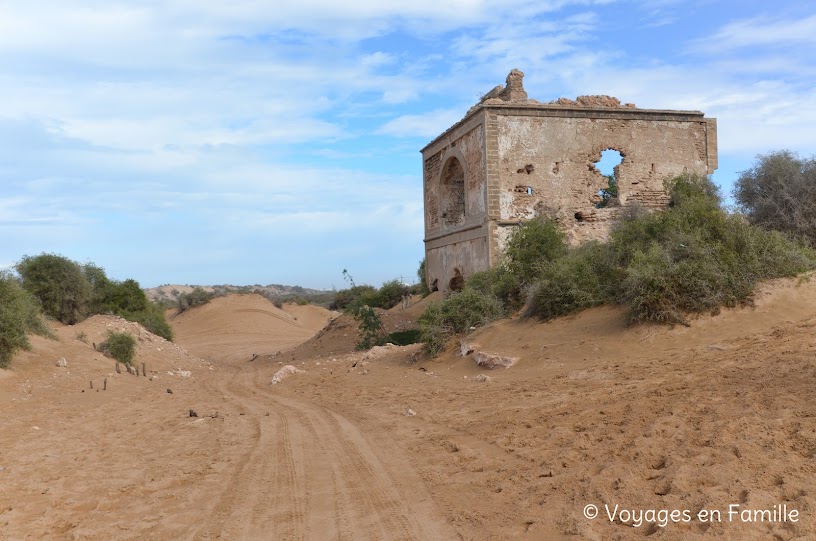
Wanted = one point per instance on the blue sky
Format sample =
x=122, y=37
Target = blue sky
x=253, y=142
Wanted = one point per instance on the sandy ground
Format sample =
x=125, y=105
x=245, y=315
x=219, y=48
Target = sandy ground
x=236, y=327
x=379, y=446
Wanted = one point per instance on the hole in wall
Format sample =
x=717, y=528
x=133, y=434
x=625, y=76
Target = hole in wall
x=526, y=190
x=608, y=167
x=579, y=217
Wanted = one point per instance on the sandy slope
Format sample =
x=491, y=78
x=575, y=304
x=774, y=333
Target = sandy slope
x=236, y=327
x=689, y=418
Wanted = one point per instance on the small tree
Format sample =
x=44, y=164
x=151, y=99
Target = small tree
x=609, y=193
x=19, y=315
x=424, y=290
x=60, y=284
x=779, y=192
x=369, y=323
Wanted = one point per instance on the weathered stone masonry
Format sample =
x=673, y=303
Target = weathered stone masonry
x=512, y=158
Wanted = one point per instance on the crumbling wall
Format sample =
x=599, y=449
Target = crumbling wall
x=468, y=256
x=546, y=165
x=455, y=181
x=443, y=185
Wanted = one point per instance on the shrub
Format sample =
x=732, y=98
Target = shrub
x=692, y=257
x=695, y=257
x=119, y=345
x=779, y=192
x=101, y=289
x=387, y=296
x=59, y=284
x=584, y=277
x=391, y=293
x=19, y=315
x=128, y=296
x=346, y=297
x=370, y=328
x=532, y=246
x=197, y=297
x=422, y=275
x=152, y=318
x=688, y=186
x=69, y=293
x=456, y=314
x=500, y=283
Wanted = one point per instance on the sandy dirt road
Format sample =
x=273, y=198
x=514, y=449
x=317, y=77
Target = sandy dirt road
x=308, y=473
x=130, y=463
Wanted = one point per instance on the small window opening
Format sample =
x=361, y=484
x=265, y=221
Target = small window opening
x=526, y=190
x=608, y=167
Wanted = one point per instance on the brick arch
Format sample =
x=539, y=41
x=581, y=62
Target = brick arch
x=452, y=207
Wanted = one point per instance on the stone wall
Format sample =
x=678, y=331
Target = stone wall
x=546, y=164
x=454, y=242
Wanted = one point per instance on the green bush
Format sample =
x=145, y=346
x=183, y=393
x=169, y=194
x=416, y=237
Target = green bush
x=422, y=275
x=387, y=296
x=19, y=315
x=59, y=284
x=456, y=314
x=391, y=293
x=369, y=324
x=584, y=277
x=693, y=257
x=197, y=297
x=500, y=283
x=119, y=345
x=531, y=247
x=70, y=292
x=346, y=297
x=152, y=318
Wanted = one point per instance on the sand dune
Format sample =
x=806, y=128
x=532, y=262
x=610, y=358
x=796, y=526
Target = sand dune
x=236, y=327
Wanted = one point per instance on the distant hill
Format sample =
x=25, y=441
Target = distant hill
x=170, y=292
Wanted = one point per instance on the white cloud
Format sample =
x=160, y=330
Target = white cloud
x=426, y=125
x=760, y=31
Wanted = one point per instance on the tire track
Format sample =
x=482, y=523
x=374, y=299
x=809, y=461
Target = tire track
x=310, y=474
x=365, y=483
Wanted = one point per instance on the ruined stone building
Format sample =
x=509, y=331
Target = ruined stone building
x=512, y=158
